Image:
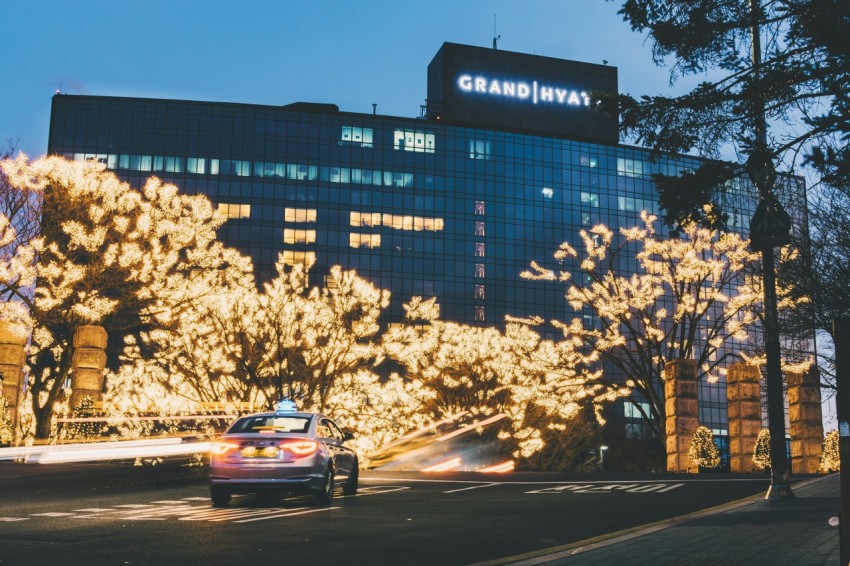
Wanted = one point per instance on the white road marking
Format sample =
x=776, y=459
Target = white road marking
x=54, y=514
x=285, y=515
x=473, y=487
x=94, y=510
x=609, y=488
x=382, y=488
x=135, y=505
x=13, y=519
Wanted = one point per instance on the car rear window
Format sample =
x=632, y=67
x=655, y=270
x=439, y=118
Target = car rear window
x=271, y=424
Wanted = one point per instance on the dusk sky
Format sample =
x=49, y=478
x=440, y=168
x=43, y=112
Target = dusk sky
x=349, y=53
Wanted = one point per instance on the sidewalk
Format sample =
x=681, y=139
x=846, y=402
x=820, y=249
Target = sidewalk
x=749, y=531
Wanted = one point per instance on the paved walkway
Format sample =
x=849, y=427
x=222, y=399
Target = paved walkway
x=750, y=531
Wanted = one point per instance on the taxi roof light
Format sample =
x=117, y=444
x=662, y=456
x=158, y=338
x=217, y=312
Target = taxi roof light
x=285, y=406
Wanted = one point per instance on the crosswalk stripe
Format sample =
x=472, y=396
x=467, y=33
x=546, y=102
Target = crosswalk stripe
x=13, y=519
x=285, y=515
x=54, y=514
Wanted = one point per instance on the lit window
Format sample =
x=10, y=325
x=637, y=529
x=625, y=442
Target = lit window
x=214, y=166
x=548, y=192
x=235, y=210
x=299, y=214
x=585, y=219
x=177, y=165
x=479, y=228
x=292, y=257
x=479, y=271
x=196, y=165
x=479, y=207
x=479, y=249
x=479, y=291
x=590, y=199
x=630, y=167
x=589, y=161
x=357, y=136
x=294, y=236
x=479, y=313
x=230, y=167
x=420, y=142
x=479, y=149
x=632, y=410
x=364, y=240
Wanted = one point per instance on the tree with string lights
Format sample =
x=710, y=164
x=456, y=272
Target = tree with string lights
x=105, y=254
x=688, y=298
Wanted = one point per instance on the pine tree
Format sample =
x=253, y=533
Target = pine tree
x=703, y=452
x=87, y=429
x=761, y=455
x=830, y=460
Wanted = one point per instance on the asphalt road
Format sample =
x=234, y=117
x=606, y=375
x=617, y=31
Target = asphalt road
x=119, y=514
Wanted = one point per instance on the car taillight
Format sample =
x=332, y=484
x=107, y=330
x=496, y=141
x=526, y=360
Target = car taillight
x=222, y=447
x=301, y=447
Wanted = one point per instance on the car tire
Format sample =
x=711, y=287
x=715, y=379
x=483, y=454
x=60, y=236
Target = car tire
x=220, y=497
x=350, y=485
x=326, y=493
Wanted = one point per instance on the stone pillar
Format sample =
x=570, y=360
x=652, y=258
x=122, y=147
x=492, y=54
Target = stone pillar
x=805, y=419
x=11, y=365
x=682, y=412
x=88, y=363
x=743, y=392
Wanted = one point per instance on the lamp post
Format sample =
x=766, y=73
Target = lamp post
x=602, y=450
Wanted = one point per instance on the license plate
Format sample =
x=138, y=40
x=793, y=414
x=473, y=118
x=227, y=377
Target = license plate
x=254, y=452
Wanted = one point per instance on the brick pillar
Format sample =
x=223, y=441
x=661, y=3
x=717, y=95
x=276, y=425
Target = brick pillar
x=88, y=362
x=805, y=418
x=682, y=412
x=11, y=365
x=743, y=392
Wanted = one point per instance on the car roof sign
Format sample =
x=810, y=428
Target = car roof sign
x=285, y=406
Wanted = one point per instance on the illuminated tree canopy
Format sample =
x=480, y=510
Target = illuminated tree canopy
x=687, y=298
x=106, y=254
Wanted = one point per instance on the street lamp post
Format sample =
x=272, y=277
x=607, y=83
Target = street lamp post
x=602, y=450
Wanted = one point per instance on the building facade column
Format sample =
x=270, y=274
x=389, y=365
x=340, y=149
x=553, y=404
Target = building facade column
x=88, y=362
x=743, y=393
x=681, y=412
x=806, y=421
x=12, y=357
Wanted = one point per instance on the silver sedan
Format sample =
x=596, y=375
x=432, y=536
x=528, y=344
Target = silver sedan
x=285, y=450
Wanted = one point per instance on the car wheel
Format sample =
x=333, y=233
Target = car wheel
x=325, y=495
x=350, y=485
x=220, y=497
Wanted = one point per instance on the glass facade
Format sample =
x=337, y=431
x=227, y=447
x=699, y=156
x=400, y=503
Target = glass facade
x=416, y=206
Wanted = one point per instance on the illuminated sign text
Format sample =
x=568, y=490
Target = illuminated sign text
x=531, y=91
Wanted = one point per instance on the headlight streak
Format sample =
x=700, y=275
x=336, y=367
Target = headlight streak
x=451, y=464
x=118, y=450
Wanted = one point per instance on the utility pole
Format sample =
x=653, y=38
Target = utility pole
x=769, y=228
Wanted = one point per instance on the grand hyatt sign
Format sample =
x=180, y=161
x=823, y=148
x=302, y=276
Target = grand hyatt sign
x=530, y=91
x=517, y=92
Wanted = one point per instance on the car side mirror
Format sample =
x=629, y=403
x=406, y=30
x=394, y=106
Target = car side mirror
x=347, y=435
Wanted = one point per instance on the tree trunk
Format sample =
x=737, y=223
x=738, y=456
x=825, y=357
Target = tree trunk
x=43, y=421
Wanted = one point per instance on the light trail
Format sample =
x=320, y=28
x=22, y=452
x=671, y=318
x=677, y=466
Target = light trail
x=472, y=426
x=452, y=464
x=116, y=450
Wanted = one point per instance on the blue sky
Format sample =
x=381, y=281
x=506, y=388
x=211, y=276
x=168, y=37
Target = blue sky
x=350, y=53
